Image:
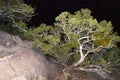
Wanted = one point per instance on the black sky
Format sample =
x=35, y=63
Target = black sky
x=47, y=10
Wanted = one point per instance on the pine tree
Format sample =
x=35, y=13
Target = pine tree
x=74, y=36
x=14, y=14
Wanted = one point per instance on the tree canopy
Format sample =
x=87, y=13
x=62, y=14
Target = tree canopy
x=74, y=39
x=74, y=36
x=14, y=14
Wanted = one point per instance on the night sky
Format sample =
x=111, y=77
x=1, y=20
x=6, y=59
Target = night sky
x=47, y=10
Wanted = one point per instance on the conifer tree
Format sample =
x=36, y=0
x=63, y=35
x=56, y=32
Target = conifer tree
x=74, y=36
x=14, y=14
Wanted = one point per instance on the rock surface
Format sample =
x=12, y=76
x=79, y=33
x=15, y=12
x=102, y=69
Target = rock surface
x=20, y=61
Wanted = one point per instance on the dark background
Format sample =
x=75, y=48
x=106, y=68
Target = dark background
x=47, y=10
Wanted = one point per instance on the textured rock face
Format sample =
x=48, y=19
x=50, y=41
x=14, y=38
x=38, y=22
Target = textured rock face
x=19, y=62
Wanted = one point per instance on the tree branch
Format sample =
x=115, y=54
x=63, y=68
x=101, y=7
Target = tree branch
x=86, y=37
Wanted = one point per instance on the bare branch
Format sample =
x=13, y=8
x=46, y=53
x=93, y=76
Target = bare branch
x=85, y=42
x=86, y=37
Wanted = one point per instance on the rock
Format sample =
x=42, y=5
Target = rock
x=99, y=75
x=23, y=62
x=70, y=73
x=6, y=39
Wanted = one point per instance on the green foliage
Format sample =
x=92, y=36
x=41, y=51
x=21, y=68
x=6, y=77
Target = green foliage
x=26, y=9
x=69, y=78
x=112, y=56
x=1, y=3
x=14, y=14
x=62, y=41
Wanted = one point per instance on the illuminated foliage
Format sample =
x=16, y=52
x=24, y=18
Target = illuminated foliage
x=74, y=36
x=74, y=39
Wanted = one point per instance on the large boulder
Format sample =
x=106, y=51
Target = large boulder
x=19, y=60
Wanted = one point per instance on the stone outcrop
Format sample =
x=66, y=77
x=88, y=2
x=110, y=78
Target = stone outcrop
x=19, y=60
